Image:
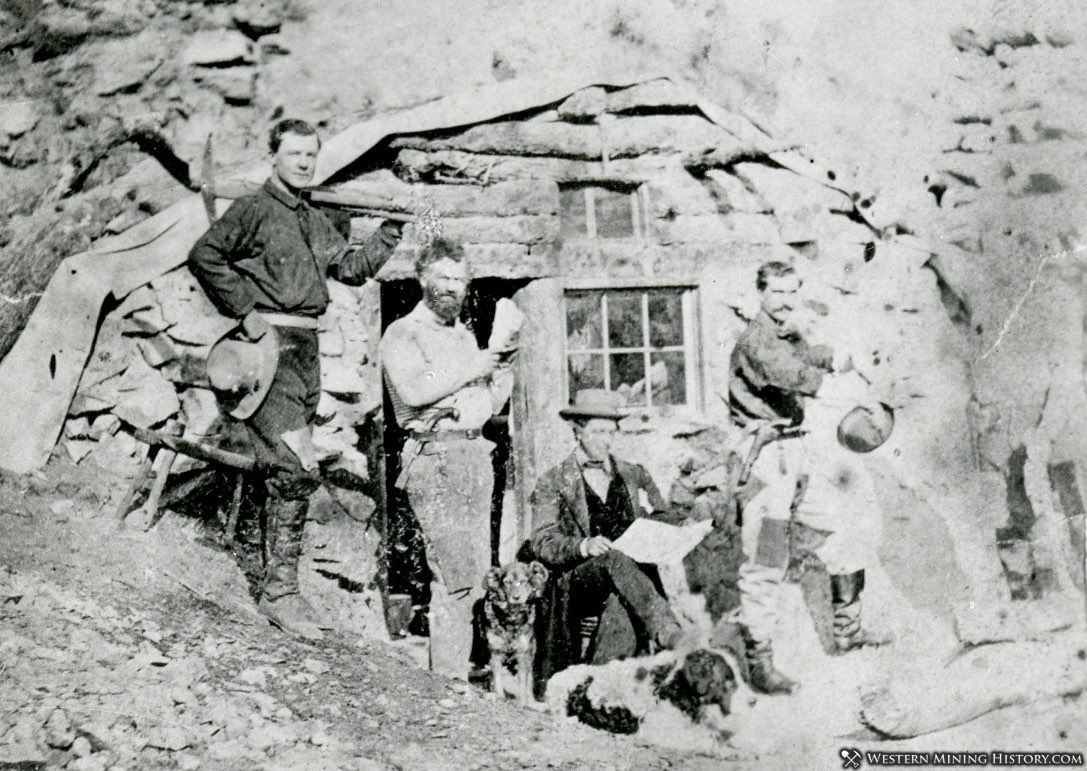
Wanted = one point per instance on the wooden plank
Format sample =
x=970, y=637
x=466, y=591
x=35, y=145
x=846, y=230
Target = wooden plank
x=501, y=199
x=520, y=229
x=653, y=95
x=41, y=371
x=459, y=167
x=621, y=137
x=735, y=227
x=540, y=437
x=485, y=260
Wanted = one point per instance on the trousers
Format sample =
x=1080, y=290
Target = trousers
x=291, y=404
x=631, y=610
x=449, y=486
x=817, y=483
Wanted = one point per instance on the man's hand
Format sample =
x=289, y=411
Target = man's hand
x=485, y=364
x=595, y=546
x=255, y=326
x=393, y=228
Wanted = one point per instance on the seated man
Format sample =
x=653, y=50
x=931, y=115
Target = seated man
x=578, y=507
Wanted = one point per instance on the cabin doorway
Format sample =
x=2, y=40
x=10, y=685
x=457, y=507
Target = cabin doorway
x=407, y=569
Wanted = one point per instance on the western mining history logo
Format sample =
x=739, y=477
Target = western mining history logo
x=853, y=758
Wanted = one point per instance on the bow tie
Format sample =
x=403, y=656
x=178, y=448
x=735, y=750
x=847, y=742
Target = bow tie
x=599, y=465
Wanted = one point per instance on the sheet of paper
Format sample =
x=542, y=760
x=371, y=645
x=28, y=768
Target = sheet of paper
x=508, y=320
x=657, y=543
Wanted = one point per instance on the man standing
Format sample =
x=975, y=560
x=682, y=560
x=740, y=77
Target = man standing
x=264, y=262
x=443, y=389
x=773, y=372
x=578, y=507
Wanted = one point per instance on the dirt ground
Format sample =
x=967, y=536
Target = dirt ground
x=125, y=649
x=137, y=650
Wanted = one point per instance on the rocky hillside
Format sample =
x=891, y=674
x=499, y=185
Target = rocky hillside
x=105, y=106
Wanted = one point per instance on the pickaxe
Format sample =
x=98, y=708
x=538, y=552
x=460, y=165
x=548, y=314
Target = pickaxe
x=353, y=200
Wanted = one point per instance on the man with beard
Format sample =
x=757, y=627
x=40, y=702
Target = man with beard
x=443, y=389
x=264, y=262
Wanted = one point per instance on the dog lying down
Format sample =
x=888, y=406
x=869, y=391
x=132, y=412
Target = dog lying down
x=509, y=609
x=689, y=700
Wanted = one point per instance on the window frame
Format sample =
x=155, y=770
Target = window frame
x=694, y=385
x=639, y=208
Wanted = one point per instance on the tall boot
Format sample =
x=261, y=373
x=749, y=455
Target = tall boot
x=765, y=678
x=845, y=593
x=280, y=599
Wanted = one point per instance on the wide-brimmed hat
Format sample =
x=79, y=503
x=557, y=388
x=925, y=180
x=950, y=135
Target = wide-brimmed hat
x=866, y=427
x=241, y=371
x=595, y=403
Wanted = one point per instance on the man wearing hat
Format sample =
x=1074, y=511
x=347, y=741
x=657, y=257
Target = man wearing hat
x=797, y=437
x=443, y=389
x=578, y=508
x=265, y=263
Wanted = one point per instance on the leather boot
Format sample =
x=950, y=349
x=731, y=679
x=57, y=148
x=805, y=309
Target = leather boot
x=280, y=599
x=845, y=593
x=765, y=678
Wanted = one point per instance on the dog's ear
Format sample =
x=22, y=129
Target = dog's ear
x=492, y=584
x=537, y=577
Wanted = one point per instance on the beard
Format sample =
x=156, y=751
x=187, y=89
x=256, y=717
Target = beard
x=446, y=305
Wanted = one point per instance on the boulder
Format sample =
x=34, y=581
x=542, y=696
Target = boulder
x=18, y=116
x=145, y=397
x=125, y=65
x=218, y=48
x=237, y=85
x=257, y=19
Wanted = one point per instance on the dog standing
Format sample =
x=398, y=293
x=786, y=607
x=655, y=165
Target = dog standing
x=509, y=607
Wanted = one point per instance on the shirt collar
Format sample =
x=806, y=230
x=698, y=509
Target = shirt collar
x=583, y=460
x=764, y=319
x=280, y=194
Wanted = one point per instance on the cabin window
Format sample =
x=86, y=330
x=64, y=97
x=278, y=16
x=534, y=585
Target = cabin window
x=602, y=211
x=637, y=342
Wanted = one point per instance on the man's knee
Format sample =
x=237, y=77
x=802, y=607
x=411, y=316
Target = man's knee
x=617, y=563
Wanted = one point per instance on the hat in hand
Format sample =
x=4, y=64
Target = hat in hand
x=596, y=403
x=866, y=427
x=241, y=371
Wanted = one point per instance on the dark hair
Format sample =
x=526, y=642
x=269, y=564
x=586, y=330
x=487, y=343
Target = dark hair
x=290, y=126
x=775, y=269
x=439, y=249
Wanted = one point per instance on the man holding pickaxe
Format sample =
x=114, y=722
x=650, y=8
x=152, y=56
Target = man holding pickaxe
x=792, y=401
x=265, y=263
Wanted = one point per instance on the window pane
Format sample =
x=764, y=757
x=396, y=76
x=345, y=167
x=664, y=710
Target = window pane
x=614, y=216
x=586, y=371
x=625, y=320
x=668, y=373
x=628, y=377
x=665, y=318
x=583, y=322
x=572, y=210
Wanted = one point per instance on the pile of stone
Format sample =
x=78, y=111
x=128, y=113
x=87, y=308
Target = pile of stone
x=148, y=369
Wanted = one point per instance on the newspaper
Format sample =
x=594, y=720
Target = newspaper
x=659, y=543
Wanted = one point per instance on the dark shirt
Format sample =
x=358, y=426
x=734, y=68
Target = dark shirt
x=272, y=251
x=611, y=517
x=772, y=370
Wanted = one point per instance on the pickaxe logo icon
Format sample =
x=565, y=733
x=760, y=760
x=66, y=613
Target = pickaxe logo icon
x=851, y=757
